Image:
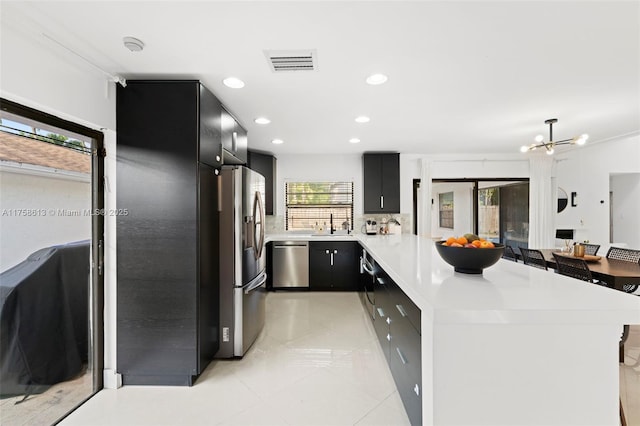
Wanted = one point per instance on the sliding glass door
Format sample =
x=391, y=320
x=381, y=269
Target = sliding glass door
x=494, y=209
x=51, y=257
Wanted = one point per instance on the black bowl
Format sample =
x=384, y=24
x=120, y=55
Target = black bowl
x=470, y=260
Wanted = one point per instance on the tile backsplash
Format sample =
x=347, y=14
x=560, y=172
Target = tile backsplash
x=275, y=224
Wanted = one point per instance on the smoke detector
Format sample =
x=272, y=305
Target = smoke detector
x=133, y=44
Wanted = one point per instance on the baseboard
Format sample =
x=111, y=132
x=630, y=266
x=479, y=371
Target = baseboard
x=112, y=380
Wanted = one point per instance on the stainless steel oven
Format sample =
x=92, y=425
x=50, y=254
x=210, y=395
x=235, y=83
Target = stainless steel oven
x=368, y=269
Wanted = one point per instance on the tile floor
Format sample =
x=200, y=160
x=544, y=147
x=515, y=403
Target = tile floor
x=324, y=368
x=48, y=407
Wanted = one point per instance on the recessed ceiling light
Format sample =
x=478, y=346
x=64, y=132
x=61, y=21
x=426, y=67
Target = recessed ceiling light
x=354, y=140
x=362, y=119
x=262, y=120
x=133, y=44
x=376, y=79
x=277, y=141
x=233, y=82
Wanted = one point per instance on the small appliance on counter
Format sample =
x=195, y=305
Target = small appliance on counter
x=371, y=227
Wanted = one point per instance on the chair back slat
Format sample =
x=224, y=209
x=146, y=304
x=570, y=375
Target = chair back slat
x=533, y=257
x=509, y=253
x=573, y=267
x=591, y=249
x=628, y=255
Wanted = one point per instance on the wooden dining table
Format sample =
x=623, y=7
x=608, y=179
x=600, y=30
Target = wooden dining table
x=616, y=273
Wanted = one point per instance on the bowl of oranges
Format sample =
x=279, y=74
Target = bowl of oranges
x=469, y=254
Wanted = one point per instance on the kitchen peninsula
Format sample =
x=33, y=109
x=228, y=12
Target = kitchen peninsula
x=515, y=345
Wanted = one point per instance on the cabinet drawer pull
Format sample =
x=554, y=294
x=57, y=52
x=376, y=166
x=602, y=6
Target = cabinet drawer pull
x=382, y=201
x=388, y=337
x=402, y=358
x=416, y=389
x=401, y=310
x=380, y=280
x=388, y=320
x=380, y=312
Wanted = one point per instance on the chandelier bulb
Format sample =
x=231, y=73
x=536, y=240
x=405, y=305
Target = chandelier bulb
x=524, y=148
x=550, y=151
x=582, y=139
x=539, y=138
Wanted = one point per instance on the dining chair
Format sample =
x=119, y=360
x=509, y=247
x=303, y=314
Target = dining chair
x=626, y=255
x=534, y=258
x=509, y=253
x=574, y=267
x=591, y=249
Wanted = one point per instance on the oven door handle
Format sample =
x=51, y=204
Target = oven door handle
x=369, y=270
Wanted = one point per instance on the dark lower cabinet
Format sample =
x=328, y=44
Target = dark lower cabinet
x=333, y=265
x=167, y=244
x=397, y=325
x=381, y=317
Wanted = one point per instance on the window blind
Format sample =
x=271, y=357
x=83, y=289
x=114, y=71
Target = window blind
x=311, y=204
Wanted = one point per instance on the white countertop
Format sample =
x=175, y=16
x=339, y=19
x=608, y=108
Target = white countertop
x=506, y=293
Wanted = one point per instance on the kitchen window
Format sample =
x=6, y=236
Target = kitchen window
x=309, y=205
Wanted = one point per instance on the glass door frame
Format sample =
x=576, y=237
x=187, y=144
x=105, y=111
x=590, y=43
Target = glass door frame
x=475, y=181
x=97, y=228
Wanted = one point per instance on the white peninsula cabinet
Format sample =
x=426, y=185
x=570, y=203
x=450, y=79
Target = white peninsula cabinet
x=515, y=345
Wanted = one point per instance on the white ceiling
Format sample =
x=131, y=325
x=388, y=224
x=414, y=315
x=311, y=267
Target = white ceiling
x=464, y=77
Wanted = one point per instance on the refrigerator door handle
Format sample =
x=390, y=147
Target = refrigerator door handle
x=257, y=282
x=258, y=221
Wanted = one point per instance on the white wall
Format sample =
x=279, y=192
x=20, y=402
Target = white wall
x=37, y=212
x=586, y=171
x=320, y=168
x=37, y=73
x=462, y=208
x=625, y=208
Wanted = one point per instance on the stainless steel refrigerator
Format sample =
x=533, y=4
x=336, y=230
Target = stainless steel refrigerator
x=242, y=259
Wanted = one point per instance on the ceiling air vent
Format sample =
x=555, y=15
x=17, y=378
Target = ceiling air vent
x=292, y=60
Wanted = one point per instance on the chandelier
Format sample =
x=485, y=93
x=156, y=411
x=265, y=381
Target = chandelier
x=549, y=146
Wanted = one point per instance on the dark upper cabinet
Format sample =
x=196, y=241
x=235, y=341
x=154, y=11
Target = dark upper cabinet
x=210, y=128
x=265, y=164
x=333, y=265
x=381, y=183
x=234, y=139
x=167, y=244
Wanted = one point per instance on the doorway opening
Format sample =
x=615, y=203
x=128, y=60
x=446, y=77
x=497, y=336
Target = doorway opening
x=51, y=264
x=494, y=209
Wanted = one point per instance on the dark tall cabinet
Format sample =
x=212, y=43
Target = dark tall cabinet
x=381, y=183
x=168, y=148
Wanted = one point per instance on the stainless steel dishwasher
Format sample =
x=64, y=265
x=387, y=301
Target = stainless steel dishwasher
x=290, y=264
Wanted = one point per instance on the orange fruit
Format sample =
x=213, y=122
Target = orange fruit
x=462, y=241
x=486, y=244
x=450, y=241
x=476, y=243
